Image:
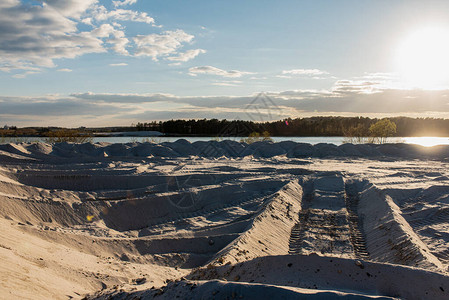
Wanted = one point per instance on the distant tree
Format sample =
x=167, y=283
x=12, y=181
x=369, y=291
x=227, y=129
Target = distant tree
x=69, y=136
x=257, y=137
x=355, y=128
x=356, y=134
x=382, y=129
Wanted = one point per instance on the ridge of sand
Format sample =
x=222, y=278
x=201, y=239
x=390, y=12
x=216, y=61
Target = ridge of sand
x=143, y=220
x=226, y=148
x=389, y=237
x=269, y=230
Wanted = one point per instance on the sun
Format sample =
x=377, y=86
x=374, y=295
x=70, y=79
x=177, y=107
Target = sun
x=422, y=59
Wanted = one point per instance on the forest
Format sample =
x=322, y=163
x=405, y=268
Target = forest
x=313, y=126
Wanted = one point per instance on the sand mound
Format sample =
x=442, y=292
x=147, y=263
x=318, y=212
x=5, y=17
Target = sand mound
x=227, y=148
x=130, y=220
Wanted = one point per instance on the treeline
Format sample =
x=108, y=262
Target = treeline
x=313, y=126
x=14, y=131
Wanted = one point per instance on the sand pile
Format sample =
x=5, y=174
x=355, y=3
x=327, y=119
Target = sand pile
x=226, y=148
x=223, y=219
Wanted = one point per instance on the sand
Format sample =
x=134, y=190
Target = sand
x=223, y=220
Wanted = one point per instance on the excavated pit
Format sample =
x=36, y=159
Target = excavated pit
x=161, y=212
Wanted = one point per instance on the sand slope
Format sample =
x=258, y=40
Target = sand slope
x=223, y=219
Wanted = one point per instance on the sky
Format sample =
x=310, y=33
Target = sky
x=118, y=62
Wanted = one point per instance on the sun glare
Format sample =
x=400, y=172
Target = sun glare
x=423, y=59
x=427, y=141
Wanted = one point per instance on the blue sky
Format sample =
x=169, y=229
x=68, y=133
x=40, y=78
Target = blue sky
x=98, y=63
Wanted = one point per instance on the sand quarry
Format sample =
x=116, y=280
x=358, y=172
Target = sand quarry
x=223, y=220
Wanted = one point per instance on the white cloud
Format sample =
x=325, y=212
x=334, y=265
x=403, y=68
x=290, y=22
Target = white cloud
x=305, y=72
x=6, y=66
x=209, y=70
x=24, y=75
x=87, y=21
x=65, y=70
x=33, y=35
x=357, y=87
x=159, y=45
x=118, y=65
x=119, y=43
x=284, y=76
x=124, y=2
x=100, y=13
x=379, y=76
x=116, y=38
x=70, y=8
x=224, y=84
x=186, y=56
x=103, y=31
x=228, y=83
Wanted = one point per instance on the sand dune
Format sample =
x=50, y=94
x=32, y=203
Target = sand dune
x=222, y=220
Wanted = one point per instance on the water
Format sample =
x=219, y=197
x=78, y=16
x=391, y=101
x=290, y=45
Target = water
x=336, y=140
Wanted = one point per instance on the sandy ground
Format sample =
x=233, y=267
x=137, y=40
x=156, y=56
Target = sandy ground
x=223, y=220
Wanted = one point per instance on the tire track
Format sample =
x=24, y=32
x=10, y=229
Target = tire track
x=328, y=222
x=355, y=223
x=298, y=233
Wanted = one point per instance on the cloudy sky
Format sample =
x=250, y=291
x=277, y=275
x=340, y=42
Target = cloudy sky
x=117, y=62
